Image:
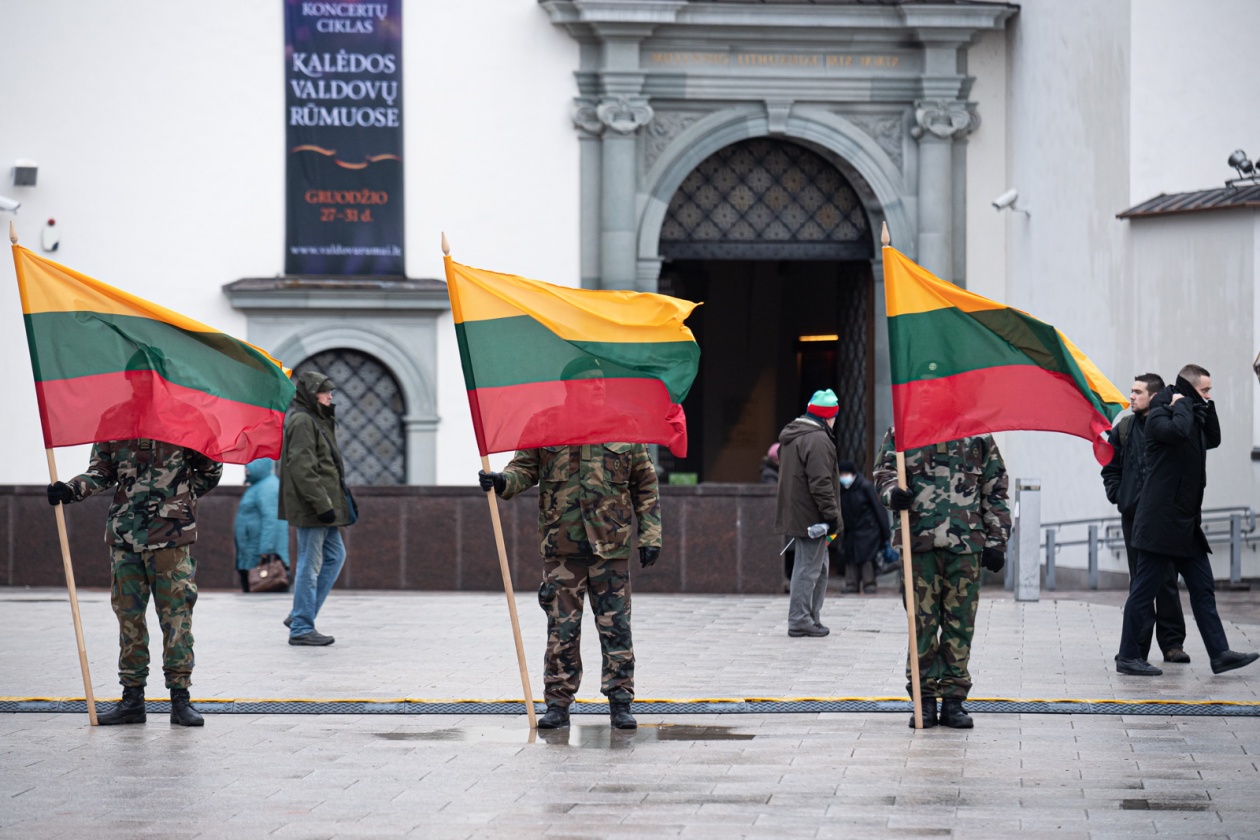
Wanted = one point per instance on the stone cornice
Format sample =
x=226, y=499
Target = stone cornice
x=390, y=293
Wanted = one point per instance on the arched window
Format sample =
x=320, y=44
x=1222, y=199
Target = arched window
x=369, y=415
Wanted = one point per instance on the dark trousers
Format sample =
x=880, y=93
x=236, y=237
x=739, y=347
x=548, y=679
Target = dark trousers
x=1139, y=610
x=1170, y=621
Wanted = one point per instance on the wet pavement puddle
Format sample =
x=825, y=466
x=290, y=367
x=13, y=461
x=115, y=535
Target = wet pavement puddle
x=589, y=737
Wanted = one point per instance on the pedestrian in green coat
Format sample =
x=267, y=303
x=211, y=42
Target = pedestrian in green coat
x=313, y=497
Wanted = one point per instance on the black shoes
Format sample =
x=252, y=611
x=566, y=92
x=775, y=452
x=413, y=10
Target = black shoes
x=288, y=621
x=816, y=630
x=1176, y=655
x=557, y=717
x=1139, y=668
x=1229, y=660
x=182, y=711
x=620, y=717
x=954, y=715
x=130, y=709
x=929, y=713
x=314, y=638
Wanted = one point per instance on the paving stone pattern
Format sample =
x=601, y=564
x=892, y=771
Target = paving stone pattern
x=782, y=776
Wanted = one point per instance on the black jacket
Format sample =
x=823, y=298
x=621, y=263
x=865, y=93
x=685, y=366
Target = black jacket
x=866, y=525
x=1178, y=436
x=1124, y=476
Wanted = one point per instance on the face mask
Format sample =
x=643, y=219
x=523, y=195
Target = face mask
x=846, y=481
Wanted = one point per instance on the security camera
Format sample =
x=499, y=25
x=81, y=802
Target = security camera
x=9, y=204
x=1006, y=199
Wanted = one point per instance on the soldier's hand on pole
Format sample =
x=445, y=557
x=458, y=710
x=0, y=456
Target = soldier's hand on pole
x=900, y=499
x=491, y=481
x=993, y=559
x=649, y=554
x=60, y=493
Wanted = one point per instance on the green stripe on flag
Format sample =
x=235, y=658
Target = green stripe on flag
x=519, y=350
x=68, y=345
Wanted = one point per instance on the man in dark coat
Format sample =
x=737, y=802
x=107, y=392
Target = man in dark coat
x=1181, y=427
x=807, y=499
x=866, y=527
x=1123, y=479
x=313, y=499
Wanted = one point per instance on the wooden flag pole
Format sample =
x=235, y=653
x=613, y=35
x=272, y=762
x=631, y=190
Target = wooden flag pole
x=65, y=561
x=493, y=499
x=74, y=595
x=907, y=571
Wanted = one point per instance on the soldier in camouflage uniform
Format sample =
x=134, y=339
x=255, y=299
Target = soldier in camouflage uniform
x=959, y=521
x=151, y=524
x=587, y=496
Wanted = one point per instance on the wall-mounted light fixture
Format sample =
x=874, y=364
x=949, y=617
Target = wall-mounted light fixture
x=24, y=173
x=1244, y=167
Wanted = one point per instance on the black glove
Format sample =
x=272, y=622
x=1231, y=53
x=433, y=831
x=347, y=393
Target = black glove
x=649, y=554
x=1200, y=410
x=833, y=527
x=993, y=559
x=59, y=493
x=899, y=499
x=328, y=517
x=491, y=481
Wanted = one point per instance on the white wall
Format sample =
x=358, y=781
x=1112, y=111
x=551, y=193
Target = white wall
x=1068, y=90
x=159, y=131
x=1194, y=69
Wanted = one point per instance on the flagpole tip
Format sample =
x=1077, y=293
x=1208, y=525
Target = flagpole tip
x=12, y=232
x=884, y=238
x=446, y=245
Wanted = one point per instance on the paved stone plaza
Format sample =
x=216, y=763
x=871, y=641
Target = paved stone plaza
x=783, y=775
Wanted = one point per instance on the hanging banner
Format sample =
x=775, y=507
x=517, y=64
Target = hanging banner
x=343, y=97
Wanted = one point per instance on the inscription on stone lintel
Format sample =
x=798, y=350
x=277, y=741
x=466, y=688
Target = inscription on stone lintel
x=751, y=60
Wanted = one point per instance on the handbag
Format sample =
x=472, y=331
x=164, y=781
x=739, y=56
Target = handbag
x=269, y=575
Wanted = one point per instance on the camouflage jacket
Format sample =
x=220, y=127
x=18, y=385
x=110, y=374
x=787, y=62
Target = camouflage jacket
x=587, y=495
x=960, y=498
x=158, y=484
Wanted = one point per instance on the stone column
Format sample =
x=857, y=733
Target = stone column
x=622, y=117
x=589, y=160
x=938, y=122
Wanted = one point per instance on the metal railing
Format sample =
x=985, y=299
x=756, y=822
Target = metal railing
x=1233, y=525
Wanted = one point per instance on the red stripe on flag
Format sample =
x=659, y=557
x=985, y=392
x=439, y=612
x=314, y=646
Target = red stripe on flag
x=577, y=411
x=141, y=404
x=995, y=399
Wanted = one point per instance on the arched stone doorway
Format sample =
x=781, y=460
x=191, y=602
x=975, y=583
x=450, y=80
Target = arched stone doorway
x=370, y=414
x=776, y=242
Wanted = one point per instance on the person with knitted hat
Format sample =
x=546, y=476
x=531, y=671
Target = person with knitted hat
x=808, y=494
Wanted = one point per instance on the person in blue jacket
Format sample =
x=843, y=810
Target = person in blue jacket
x=259, y=531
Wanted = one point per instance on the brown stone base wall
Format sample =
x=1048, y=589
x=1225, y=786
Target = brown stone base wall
x=718, y=538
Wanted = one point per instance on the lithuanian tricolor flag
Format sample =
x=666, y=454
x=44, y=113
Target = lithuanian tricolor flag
x=549, y=365
x=111, y=366
x=965, y=365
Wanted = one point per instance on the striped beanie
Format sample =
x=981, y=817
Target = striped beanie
x=824, y=404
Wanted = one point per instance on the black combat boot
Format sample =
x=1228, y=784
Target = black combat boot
x=130, y=709
x=954, y=715
x=182, y=711
x=557, y=717
x=929, y=713
x=619, y=714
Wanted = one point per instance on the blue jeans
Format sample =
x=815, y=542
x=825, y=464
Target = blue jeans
x=1139, y=611
x=321, y=554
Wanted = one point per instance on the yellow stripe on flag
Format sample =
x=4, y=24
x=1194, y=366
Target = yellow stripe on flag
x=572, y=314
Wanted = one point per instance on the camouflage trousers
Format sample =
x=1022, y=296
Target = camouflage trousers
x=946, y=593
x=607, y=583
x=167, y=574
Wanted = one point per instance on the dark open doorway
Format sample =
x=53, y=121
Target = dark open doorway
x=771, y=332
